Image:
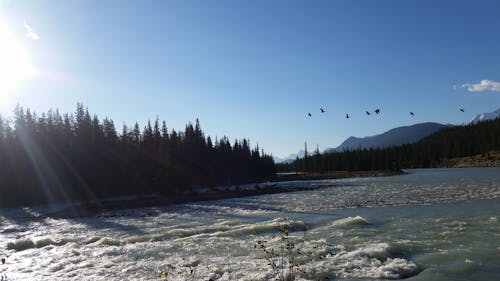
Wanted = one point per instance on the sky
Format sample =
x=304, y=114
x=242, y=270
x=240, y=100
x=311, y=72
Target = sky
x=255, y=69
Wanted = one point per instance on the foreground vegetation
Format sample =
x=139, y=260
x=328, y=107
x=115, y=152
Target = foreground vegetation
x=437, y=150
x=60, y=158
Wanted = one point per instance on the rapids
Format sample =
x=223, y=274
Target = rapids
x=438, y=224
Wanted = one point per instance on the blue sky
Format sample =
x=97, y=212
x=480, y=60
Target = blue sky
x=254, y=69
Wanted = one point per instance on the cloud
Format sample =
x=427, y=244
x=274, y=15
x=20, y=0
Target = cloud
x=483, y=86
x=30, y=33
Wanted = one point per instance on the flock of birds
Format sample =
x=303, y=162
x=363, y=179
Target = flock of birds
x=377, y=111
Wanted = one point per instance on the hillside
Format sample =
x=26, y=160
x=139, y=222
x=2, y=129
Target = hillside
x=489, y=159
x=454, y=144
x=396, y=136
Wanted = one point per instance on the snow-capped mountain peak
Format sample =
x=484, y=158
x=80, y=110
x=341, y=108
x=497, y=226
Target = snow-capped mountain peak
x=481, y=117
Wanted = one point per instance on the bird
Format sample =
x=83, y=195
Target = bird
x=322, y=110
x=309, y=114
x=347, y=116
x=461, y=109
x=412, y=114
x=377, y=111
x=3, y=260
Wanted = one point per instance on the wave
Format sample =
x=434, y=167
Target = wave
x=357, y=220
x=378, y=261
x=319, y=260
x=25, y=244
x=264, y=227
x=21, y=245
x=339, y=224
x=371, y=261
x=110, y=242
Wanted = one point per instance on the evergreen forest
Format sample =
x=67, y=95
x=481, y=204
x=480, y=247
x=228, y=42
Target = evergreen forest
x=55, y=157
x=430, y=152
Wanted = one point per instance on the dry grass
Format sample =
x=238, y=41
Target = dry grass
x=489, y=159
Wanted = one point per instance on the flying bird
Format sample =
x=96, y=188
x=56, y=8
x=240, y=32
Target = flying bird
x=412, y=114
x=347, y=116
x=322, y=110
x=377, y=111
x=461, y=109
x=309, y=114
x=367, y=112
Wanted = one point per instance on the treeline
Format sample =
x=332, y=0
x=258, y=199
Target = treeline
x=430, y=152
x=60, y=158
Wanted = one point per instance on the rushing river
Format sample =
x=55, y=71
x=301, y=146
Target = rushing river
x=439, y=224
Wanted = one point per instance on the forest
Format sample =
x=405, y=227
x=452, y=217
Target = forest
x=55, y=157
x=430, y=152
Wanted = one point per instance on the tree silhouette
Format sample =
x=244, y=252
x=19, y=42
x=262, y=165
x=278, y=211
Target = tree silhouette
x=54, y=158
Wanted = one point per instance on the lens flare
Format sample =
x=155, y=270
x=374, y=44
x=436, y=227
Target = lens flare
x=14, y=63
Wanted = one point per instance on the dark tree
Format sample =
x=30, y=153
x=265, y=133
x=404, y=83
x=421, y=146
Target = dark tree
x=432, y=151
x=54, y=158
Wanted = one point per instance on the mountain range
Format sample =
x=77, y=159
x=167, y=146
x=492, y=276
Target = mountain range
x=485, y=116
x=290, y=157
x=396, y=136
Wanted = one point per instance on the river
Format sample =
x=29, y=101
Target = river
x=430, y=224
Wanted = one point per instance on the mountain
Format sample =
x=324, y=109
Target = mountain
x=396, y=136
x=485, y=116
x=289, y=158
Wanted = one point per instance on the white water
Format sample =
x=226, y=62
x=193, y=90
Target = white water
x=429, y=225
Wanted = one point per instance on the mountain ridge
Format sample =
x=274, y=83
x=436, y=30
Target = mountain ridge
x=382, y=140
x=396, y=136
x=484, y=116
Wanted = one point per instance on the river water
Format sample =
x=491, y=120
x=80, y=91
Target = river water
x=437, y=224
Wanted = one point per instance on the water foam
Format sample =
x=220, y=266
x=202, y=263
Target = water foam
x=216, y=239
x=369, y=261
x=264, y=227
x=21, y=245
x=357, y=220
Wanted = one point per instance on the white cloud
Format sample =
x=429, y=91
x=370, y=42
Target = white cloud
x=483, y=86
x=30, y=33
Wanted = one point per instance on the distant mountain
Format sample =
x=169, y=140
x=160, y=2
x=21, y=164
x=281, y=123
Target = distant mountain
x=481, y=117
x=289, y=158
x=396, y=136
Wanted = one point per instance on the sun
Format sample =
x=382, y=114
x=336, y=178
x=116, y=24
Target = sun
x=14, y=63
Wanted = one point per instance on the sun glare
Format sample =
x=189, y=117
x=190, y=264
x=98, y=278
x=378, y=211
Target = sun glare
x=14, y=63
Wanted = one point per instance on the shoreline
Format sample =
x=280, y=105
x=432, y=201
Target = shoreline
x=273, y=186
x=338, y=175
x=490, y=159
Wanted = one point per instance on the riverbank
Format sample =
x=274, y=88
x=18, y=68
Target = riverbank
x=277, y=184
x=337, y=175
x=490, y=159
